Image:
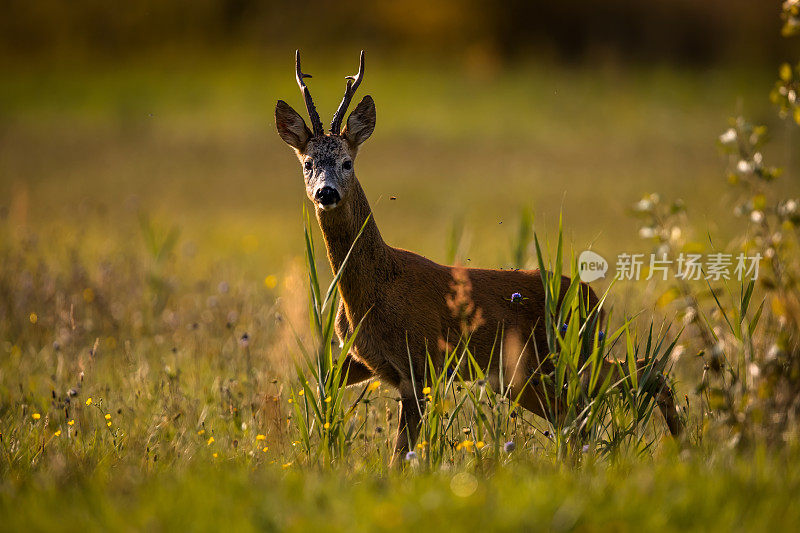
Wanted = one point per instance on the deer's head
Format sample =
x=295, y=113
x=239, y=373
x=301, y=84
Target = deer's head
x=327, y=159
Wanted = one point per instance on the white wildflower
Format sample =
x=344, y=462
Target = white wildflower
x=729, y=137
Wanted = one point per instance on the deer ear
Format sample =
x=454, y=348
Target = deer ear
x=360, y=123
x=291, y=126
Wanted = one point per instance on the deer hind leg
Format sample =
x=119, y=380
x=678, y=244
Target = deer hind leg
x=543, y=401
x=665, y=399
x=409, y=419
x=540, y=400
x=659, y=389
x=525, y=384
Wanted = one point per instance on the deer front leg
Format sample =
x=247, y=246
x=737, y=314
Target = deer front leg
x=342, y=325
x=355, y=371
x=408, y=426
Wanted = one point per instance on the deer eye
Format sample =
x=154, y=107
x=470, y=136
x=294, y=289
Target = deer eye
x=309, y=164
x=347, y=165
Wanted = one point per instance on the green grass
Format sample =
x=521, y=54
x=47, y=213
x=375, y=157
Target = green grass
x=150, y=217
x=670, y=493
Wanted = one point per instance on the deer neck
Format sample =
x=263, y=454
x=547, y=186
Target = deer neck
x=370, y=262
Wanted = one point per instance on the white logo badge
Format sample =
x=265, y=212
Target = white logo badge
x=591, y=266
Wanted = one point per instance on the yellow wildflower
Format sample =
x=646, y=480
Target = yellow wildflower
x=426, y=390
x=264, y=449
x=71, y=423
x=287, y=465
x=89, y=401
x=374, y=385
x=270, y=281
x=108, y=416
x=480, y=444
x=108, y=423
x=327, y=425
x=57, y=433
x=214, y=455
x=261, y=437
x=301, y=393
x=201, y=432
x=36, y=416
x=290, y=400
x=328, y=399
x=33, y=318
x=210, y=439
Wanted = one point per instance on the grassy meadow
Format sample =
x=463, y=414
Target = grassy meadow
x=154, y=297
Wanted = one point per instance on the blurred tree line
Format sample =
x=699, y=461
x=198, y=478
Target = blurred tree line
x=679, y=31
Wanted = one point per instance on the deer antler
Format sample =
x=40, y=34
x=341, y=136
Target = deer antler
x=352, y=84
x=316, y=123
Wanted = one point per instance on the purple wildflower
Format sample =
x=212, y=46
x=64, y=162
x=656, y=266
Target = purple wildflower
x=564, y=328
x=509, y=446
x=601, y=335
x=516, y=297
x=585, y=448
x=410, y=456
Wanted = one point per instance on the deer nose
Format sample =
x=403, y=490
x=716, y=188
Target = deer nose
x=327, y=196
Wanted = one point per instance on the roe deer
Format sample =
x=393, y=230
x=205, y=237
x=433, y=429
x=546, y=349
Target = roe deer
x=405, y=303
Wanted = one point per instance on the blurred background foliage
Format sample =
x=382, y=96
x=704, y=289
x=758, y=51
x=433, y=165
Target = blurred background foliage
x=166, y=107
x=676, y=31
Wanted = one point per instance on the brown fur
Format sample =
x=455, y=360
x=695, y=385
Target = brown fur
x=407, y=304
